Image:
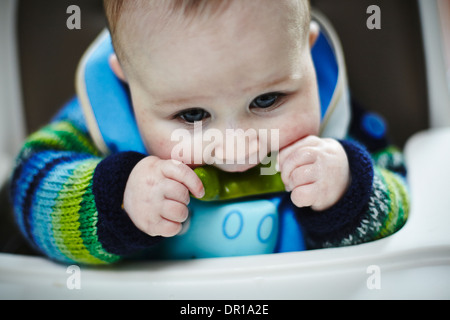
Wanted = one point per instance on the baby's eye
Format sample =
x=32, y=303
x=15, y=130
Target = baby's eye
x=266, y=100
x=193, y=115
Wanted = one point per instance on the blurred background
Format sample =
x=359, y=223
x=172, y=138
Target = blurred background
x=385, y=67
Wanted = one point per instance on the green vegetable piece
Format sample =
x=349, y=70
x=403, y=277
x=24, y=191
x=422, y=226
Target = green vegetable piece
x=221, y=185
x=209, y=177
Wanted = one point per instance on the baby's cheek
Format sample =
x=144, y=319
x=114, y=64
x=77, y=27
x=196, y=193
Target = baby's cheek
x=298, y=129
x=162, y=144
x=290, y=135
x=180, y=151
x=161, y=148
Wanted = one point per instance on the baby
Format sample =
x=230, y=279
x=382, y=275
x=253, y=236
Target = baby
x=218, y=64
x=226, y=64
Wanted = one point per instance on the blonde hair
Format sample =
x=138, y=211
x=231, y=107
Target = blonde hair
x=114, y=9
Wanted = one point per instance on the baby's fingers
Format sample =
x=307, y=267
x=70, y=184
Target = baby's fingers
x=291, y=151
x=300, y=176
x=304, y=196
x=180, y=172
x=174, y=214
x=166, y=228
x=294, y=160
x=175, y=211
x=174, y=190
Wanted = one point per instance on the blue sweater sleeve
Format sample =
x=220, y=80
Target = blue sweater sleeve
x=67, y=197
x=340, y=220
x=116, y=231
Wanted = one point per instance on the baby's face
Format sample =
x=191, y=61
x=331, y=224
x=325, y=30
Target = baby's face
x=247, y=68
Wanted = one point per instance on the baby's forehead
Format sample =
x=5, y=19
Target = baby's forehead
x=156, y=13
x=144, y=21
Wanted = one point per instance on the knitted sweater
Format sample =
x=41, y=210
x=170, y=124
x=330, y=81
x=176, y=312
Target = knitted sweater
x=67, y=197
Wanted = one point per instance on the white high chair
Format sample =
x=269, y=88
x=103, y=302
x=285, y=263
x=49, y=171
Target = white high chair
x=413, y=263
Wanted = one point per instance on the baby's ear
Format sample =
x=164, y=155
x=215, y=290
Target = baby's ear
x=314, y=30
x=116, y=67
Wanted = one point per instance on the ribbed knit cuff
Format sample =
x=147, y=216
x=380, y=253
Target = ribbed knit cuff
x=340, y=220
x=116, y=231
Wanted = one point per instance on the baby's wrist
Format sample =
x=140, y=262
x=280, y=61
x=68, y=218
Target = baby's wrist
x=347, y=212
x=115, y=230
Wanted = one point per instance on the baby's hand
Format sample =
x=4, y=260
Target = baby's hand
x=317, y=172
x=157, y=194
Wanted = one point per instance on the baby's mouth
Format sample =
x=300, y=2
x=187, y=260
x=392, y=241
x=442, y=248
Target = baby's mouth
x=235, y=167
